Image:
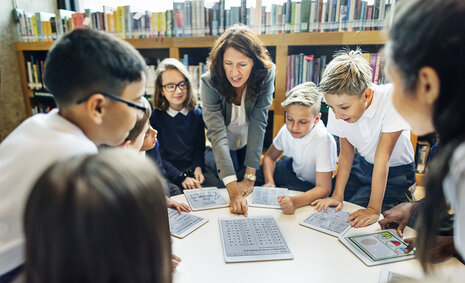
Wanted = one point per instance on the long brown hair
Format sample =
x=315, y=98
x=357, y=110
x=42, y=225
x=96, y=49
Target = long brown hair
x=243, y=39
x=98, y=218
x=159, y=101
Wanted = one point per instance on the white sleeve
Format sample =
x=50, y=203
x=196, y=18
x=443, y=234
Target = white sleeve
x=327, y=156
x=334, y=126
x=393, y=121
x=279, y=139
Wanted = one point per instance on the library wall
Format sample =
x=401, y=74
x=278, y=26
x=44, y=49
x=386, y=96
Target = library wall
x=12, y=111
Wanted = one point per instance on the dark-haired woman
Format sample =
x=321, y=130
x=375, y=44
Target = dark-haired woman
x=236, y=95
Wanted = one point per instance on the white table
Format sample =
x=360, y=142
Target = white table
x=318, y=257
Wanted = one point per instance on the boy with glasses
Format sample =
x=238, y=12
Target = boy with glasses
x=97, y=81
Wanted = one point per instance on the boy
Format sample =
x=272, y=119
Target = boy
x=309, y=151
x=363, y=117
x=97, y=81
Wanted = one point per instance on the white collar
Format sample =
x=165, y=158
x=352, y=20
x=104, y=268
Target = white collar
x=173, y=112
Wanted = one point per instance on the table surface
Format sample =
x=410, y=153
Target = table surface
x=318, y=257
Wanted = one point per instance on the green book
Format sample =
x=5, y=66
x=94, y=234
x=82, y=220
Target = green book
x=304, y=16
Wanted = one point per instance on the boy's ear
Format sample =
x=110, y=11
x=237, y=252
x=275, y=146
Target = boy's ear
x=317, y=119
x=96, y=106
x=368, y=94
x=428, y=85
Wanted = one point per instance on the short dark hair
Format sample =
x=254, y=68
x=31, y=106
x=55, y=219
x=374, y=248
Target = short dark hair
x=243, y=39
x=87, y=61
x=432, y=34
x=98, y=218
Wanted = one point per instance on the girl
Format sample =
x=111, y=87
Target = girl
x=361, y=114
x=236, y=95
x=98, y=218
x=179, y=123
x=425, y=60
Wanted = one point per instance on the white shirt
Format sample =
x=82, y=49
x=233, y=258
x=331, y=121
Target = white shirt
x=238, y=126
x=173, y=112
x=454, y=191
x=314, y=152
x=380, y=117
x=24, y=155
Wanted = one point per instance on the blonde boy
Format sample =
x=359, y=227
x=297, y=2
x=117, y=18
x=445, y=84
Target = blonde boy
x=361, y=114
x=309, y=151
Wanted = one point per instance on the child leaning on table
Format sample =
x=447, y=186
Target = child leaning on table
x=143, y=137
x=379, y=173
x=309, y=151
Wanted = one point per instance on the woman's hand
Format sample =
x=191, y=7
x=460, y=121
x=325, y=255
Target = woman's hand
x=245, y=187
x=237, y=204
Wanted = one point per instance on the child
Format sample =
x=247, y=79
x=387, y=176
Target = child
x=97, y=81
x=98, y=218
x=143, y=137
x=179, y=123
x=361, y=114
x=425, y=63
x=309, y=151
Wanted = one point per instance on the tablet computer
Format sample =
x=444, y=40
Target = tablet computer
x=331, y=222
x=267, y=197
x=377, y=248
x=206, y=198
x=182, y=224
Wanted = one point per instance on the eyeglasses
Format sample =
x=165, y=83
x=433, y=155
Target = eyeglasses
x=172, y=87
x=135, y=105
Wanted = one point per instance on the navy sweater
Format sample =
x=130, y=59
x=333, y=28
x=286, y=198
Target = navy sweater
x=181, y=141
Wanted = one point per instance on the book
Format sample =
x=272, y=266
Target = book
x=421, y=156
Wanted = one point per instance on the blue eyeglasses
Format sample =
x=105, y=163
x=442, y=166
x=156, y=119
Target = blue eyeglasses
x=135, y=105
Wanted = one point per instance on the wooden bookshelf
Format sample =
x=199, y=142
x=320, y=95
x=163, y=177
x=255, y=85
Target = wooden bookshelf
x=281, y=42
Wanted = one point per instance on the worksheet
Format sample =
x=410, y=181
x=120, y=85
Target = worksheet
x=255, y=238
x=182, y=224
x=377, y=248
x=331, y=222
x=206, y=198
x=267, y=197
x=387, y=276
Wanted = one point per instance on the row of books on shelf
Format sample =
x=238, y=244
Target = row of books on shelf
x=309, y=68
x=192, y=18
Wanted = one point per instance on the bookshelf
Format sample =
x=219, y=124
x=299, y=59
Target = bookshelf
x=279, y=46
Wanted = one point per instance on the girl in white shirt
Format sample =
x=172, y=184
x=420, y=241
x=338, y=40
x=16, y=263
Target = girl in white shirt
x=425, y=63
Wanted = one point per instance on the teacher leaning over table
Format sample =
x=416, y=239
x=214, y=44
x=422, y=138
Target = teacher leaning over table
x=236, y=93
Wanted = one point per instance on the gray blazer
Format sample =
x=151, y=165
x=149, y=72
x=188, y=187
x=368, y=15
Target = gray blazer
x=216, y=112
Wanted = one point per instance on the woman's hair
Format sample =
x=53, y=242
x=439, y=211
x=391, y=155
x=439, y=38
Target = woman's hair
x=306, y=94
x=348, y=73
x=98, y=218
x=432, y=34
x=139, y=126
x=159, y=101
x=243, y=39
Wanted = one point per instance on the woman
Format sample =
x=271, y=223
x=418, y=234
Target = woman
x=98, y=218
x=236, y=95
x=425, y=63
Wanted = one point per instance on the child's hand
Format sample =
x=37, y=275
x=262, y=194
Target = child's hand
x=363, y=217
x=399, y=214
x=198, y=175
x=191, y=183
x=443, y=247
x=324, y=203
x=175, y=260
x=287, y=205
x=271, y=185
x=178, y=206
